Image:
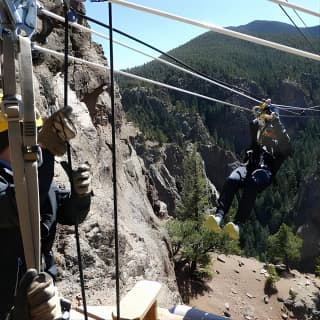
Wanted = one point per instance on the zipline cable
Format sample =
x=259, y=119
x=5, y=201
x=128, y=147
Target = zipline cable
x=130, y=75
x=283, y=107
x=221, y=30
x=157, y=83
x=315, y=108
x=297, y=28
x=66, y=83
x=76, y=25
x=114, y=165
x=180, y=62
x=298, y=15
x=192, y=72
x=293, y=6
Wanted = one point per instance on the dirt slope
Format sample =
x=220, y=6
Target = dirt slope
x=237, y=289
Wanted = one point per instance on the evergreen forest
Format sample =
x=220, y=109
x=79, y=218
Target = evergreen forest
x=261, y=73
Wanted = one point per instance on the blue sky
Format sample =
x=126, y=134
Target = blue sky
x=167, y=34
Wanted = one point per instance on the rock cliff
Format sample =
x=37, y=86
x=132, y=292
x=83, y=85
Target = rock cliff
x=143, y=242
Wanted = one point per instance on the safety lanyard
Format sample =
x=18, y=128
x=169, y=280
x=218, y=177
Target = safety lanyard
x=23, y=146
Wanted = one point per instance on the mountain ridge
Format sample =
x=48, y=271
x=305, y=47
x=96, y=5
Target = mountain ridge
x=277, y=27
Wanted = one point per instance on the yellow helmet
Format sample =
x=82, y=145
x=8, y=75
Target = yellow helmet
x=4, y=122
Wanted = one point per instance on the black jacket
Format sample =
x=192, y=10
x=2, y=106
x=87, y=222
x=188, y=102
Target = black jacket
x=56, y=206
x=270, y=146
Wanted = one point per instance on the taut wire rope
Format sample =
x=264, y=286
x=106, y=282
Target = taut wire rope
x=190, y=71
x=224, y=31
x=297, y=28
x=76, y=228
x=296, y=7
x=171, y=57
x=114, y=166
x=133, y=76
x=197, y=74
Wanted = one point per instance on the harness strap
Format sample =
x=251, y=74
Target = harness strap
x=31, y=149
x=25, y=174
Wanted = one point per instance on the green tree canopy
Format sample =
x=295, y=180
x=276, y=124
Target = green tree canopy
x=195, y=193
x=284, y=246
x=192, y=241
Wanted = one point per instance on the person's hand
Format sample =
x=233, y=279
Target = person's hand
x=81, y=178
x=37, y=298
x=249, y=153
x=248, y=156
x=275, y=119
x=56, y=131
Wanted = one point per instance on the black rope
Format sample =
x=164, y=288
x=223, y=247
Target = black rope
x=298, y=29
x=298, y=15
x=66, y=53
x=180, y=62
x=114, y=167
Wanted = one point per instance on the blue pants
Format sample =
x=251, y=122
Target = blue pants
x=250, y=183
x=195, y=314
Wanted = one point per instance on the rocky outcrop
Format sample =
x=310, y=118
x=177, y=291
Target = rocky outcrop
x=308, y=218
x=303, y=298
x=144, y=247
x=218, y=163
x=165, y=162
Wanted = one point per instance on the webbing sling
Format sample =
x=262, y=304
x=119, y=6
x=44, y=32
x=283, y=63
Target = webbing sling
x=23, y=150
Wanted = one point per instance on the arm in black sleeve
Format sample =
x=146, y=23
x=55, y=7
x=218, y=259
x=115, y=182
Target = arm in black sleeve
x=252, y=153
x=9, y=212
x=254, y=126
x=283, y=146
x=72, y=209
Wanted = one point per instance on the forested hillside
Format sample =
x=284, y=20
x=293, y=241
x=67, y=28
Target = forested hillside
x=260, y=72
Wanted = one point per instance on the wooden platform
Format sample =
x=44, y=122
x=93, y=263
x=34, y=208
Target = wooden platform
x=105, y=313
x=94, y=312
x=140, y=303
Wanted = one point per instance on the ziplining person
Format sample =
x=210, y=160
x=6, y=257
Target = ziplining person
x=270, y=147
x=27, y=294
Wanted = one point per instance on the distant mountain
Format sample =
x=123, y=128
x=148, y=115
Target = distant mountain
x=229, y=59
x=260, y=71
x=274, y=27
x=314, y=31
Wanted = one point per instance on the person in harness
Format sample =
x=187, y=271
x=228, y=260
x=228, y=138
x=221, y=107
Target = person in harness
x=25, y=294
x=269, y=148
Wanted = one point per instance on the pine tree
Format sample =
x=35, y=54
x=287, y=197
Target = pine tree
x=191, y=240
x=284, y=246
x=195, y=194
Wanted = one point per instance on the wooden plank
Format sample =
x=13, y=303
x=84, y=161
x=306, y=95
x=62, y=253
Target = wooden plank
x=96, y=312
x=140, y=303
x=75, y=315
x=104, y=313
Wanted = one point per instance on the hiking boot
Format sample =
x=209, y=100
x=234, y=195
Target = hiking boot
x=232, y=230
x=213, y=223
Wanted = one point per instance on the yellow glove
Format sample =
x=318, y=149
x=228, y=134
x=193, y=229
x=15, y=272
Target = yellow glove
x=56, y=131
